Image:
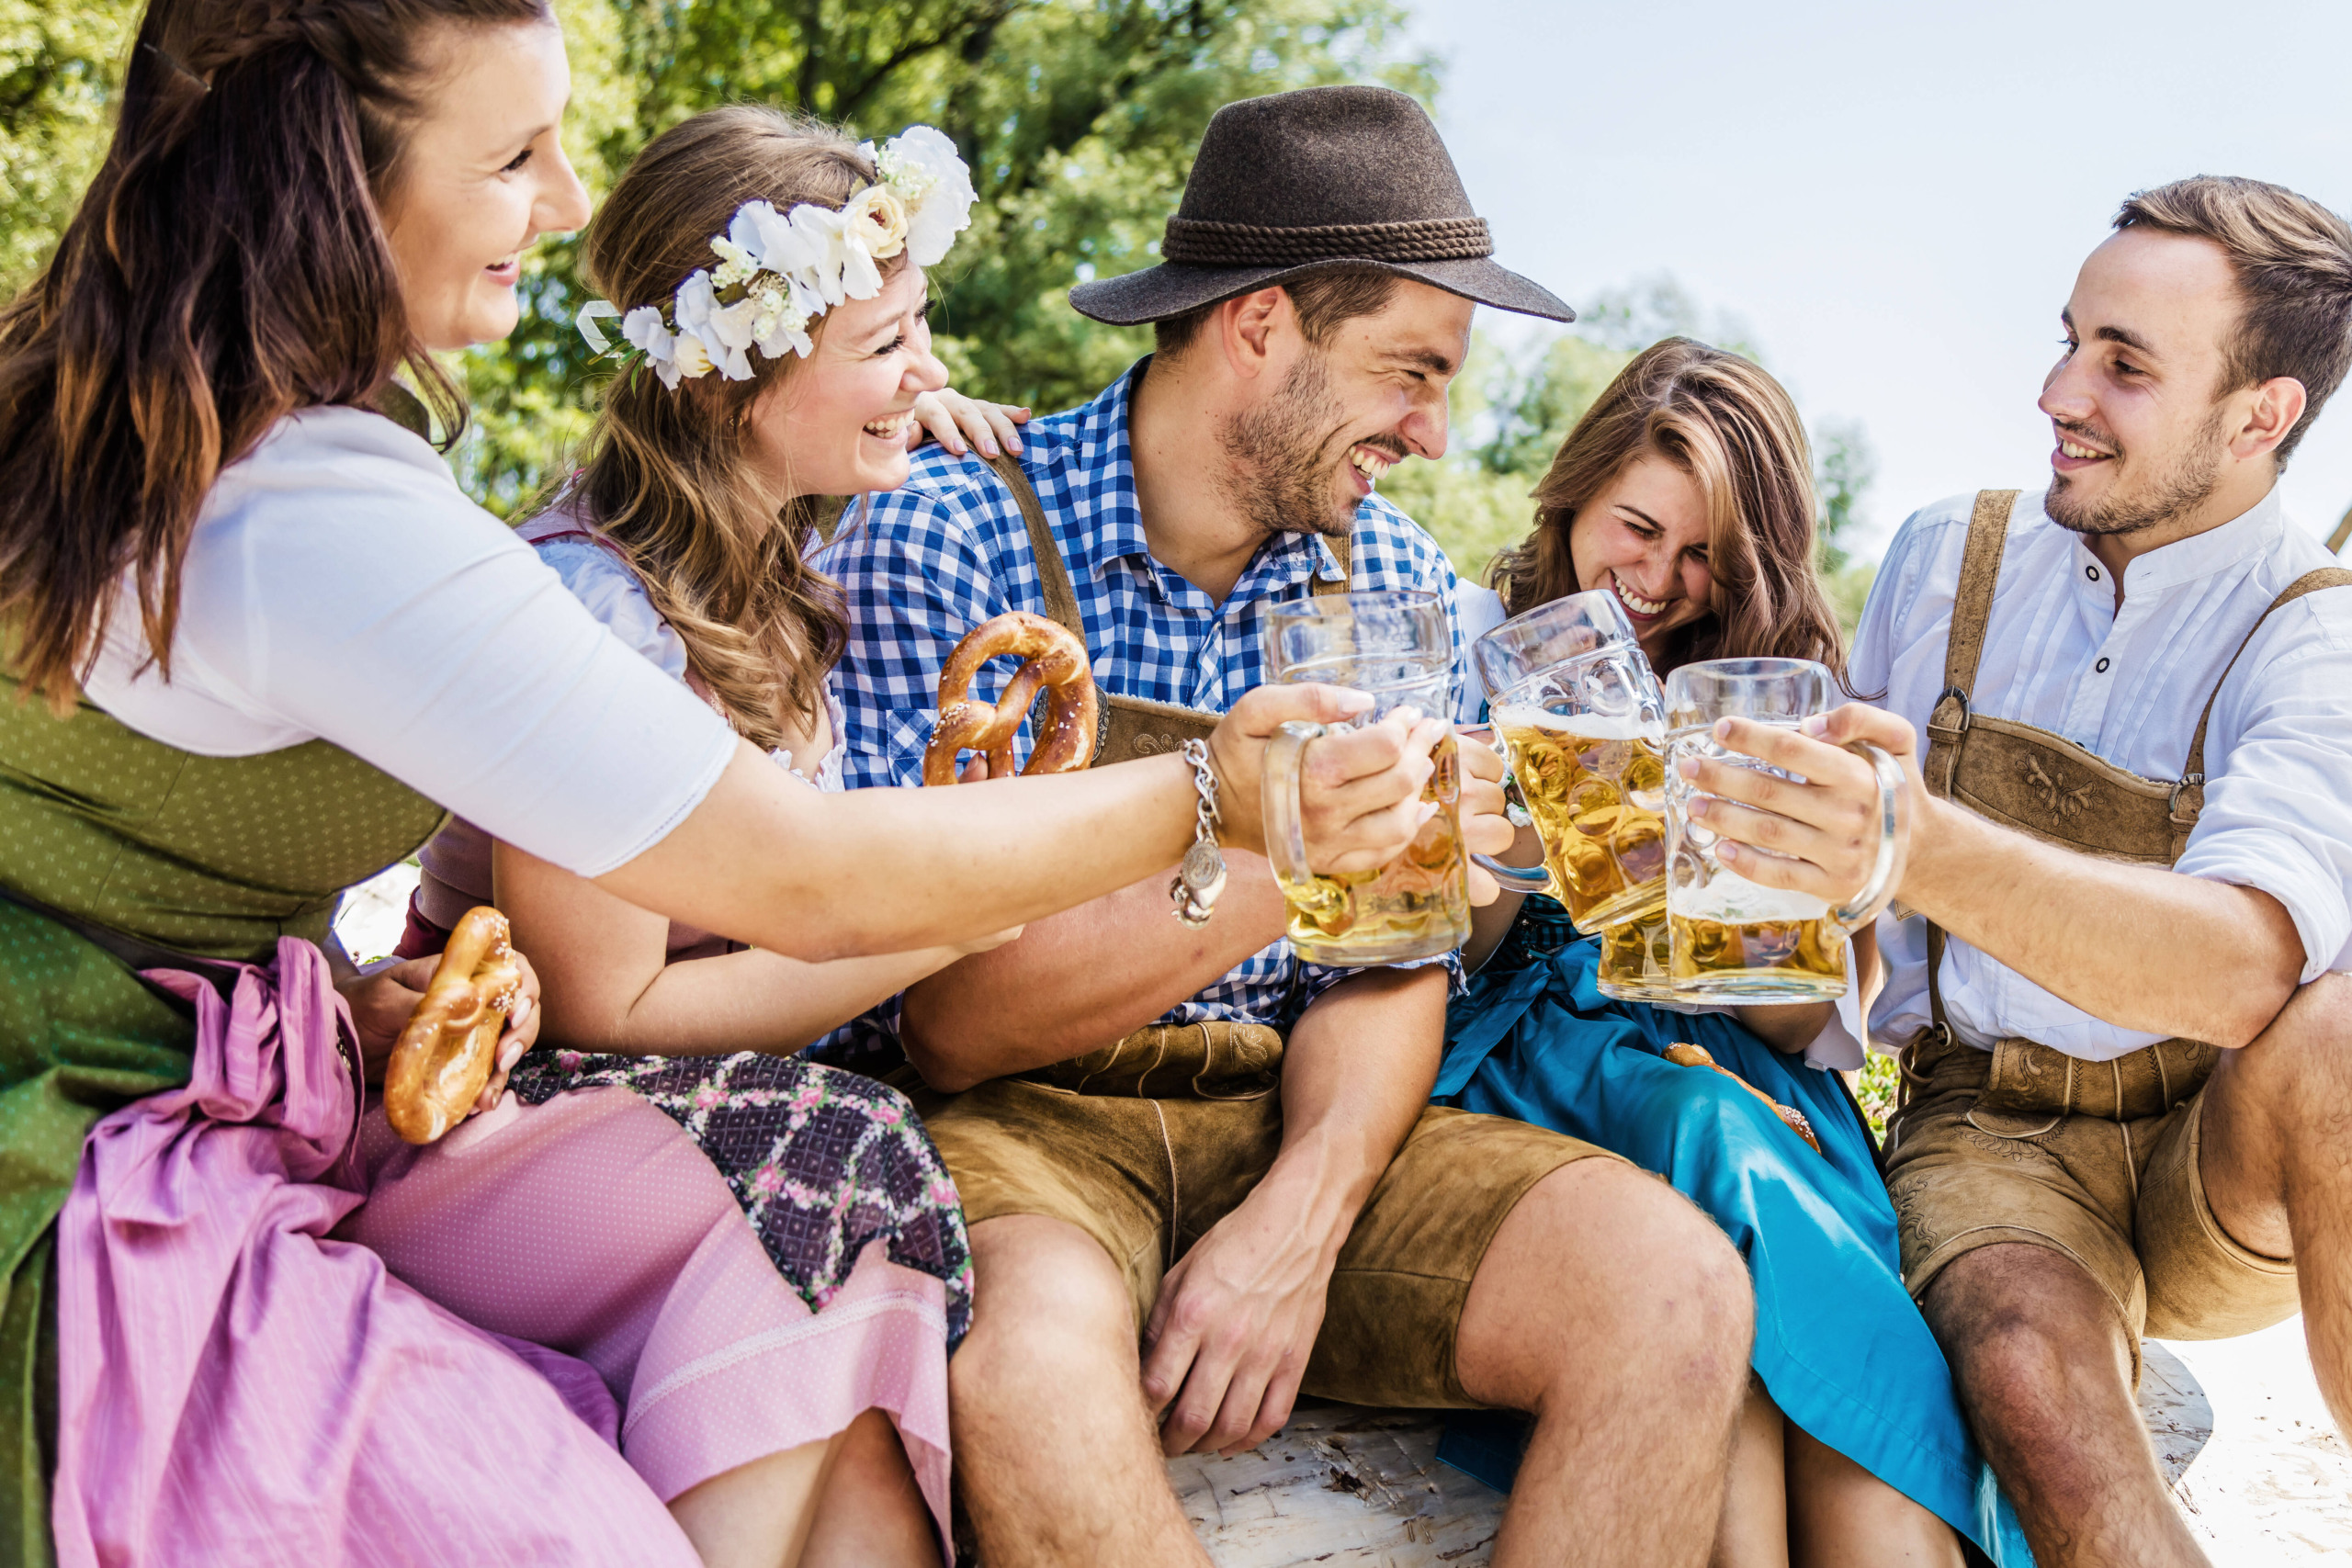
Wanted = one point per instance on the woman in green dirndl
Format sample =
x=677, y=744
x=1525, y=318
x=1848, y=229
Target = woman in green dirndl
x=257, y=646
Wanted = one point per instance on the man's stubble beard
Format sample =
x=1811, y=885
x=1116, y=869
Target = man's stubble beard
x=1277, y=470
x=2183, y=487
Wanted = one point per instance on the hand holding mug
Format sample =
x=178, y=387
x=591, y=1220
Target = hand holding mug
x=1360, y=794
x=1823, y=829
x=1487, y=827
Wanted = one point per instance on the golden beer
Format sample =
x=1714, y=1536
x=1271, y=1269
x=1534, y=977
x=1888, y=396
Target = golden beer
x=1740, y=942
x=1416, y=906
x=1637, y=960
x=1596, y=788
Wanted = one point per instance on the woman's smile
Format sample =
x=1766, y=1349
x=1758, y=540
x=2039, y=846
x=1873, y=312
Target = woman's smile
x=1636, y=605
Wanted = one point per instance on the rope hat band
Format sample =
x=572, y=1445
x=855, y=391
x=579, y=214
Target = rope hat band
x=1192, y=242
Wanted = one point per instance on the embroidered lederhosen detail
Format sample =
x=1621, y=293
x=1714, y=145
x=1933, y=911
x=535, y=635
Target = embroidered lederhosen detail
x=2046, y=786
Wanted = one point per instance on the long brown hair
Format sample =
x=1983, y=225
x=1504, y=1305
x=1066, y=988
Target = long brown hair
x=1720, y=419
x=670, y=477
x=227, y=266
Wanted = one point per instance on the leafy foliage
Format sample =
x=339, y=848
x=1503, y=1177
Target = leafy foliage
x=1079, y=118
x=59, y=65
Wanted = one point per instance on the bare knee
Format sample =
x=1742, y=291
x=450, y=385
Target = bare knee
x=871, y=1513
x=1052, y=1320
x=2287, y=1073
x=1602, y=1273
x=2027, y=1330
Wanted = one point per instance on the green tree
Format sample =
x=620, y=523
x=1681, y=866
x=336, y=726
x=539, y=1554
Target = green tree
x=1078, y=117
x=59, y=65
x=1843, y=466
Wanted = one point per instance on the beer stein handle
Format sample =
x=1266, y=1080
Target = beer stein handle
x=1278, y=799
x=1515, y=879
x=1864, y=906
x=1514, y=798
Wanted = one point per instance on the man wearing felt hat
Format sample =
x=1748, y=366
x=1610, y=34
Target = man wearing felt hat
x=1202, y=1175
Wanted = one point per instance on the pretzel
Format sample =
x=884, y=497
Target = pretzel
x=1687, y=1055
x=445, y=1055
x=1051, y=657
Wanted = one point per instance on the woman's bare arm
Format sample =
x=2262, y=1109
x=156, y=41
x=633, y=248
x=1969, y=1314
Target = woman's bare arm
x=610, y=985
x=771, y=862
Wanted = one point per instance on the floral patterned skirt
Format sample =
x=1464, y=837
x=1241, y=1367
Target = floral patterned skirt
x=823, y=1161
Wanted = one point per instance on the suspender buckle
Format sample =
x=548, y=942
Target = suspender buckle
x=1960, y=694
x=2172, y=803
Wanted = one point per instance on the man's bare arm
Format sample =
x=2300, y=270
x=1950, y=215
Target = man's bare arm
x=2140, y=947
x=1228, y=1339
x=1080, y=979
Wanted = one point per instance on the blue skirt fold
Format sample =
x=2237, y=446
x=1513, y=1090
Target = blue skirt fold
x=1839, y=1344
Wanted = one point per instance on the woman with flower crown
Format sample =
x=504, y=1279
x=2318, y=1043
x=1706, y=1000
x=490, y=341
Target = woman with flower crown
x=273, y=646
x=796, y=367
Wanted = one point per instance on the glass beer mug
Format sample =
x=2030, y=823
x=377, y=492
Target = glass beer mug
x=1399, y=646
x=1577, y=711
x=1731, y=939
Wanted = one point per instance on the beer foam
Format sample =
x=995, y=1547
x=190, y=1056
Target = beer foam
x=1592, y=726
x=1731, y=899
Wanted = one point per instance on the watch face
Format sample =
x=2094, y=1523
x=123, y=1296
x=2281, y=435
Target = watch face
x=1204, y=871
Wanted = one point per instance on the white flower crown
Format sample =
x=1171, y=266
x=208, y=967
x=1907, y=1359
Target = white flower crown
x=779, y=272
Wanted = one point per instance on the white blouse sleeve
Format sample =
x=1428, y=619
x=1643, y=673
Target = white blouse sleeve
x=612, y=593
x=1476, y=612
x=339, y=586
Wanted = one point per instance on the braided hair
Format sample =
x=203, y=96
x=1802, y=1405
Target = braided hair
x=227, y=266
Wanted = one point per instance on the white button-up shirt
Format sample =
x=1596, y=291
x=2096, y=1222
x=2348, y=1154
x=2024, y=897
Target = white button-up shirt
x=2128, y=685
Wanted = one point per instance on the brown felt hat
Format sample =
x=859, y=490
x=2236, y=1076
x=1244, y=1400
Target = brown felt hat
x=1302, y=182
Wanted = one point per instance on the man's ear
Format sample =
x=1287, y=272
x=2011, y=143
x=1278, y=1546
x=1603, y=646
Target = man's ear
x=1247, y=330
x=2278, y=405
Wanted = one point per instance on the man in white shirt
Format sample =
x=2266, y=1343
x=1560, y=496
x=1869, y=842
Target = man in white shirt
x=2128, y=1066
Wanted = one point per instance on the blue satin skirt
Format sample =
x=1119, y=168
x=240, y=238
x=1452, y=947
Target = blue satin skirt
x=1839, y=1344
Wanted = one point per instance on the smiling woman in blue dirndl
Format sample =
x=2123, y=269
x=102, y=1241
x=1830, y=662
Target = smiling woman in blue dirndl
x=1685, y=491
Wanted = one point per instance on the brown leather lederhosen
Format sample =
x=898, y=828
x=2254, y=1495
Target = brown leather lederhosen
x=2019, y=1102
x=1146, y=1144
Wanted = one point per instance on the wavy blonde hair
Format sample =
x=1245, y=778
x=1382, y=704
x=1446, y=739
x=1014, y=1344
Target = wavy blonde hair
x=670, y=477
x=1720, y=419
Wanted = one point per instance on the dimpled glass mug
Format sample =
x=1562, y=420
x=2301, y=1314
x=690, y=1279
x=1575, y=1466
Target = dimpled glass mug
x=1397, y=646
x=1729, y=938
x=1576, y=708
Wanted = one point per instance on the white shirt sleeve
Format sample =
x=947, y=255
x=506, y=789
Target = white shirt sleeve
x=339, y=586
x=2277, y=817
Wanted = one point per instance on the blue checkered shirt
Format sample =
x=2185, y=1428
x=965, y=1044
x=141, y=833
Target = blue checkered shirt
x=948, y=551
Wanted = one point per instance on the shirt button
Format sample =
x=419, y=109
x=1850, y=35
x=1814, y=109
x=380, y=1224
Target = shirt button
x=2101, y=666
x=2091, y=572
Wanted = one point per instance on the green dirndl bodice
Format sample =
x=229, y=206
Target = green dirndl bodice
x=214, y=856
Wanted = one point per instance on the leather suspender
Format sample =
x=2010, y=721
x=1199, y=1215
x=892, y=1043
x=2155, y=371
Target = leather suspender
x=1062, y=600
x=1952, y=720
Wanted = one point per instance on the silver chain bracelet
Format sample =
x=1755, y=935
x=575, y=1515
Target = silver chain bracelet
x=1202, y=876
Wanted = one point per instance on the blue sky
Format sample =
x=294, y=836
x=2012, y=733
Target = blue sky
x=1894, y=197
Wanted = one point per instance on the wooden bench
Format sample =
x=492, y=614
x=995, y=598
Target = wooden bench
x=2256, y=1466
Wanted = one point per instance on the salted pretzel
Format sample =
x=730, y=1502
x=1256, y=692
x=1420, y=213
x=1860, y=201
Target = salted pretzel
x=445, y=1053
x=1687, y=1055
x=1050, y=657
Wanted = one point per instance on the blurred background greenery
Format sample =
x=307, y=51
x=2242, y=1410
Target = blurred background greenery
x=1079, y=118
